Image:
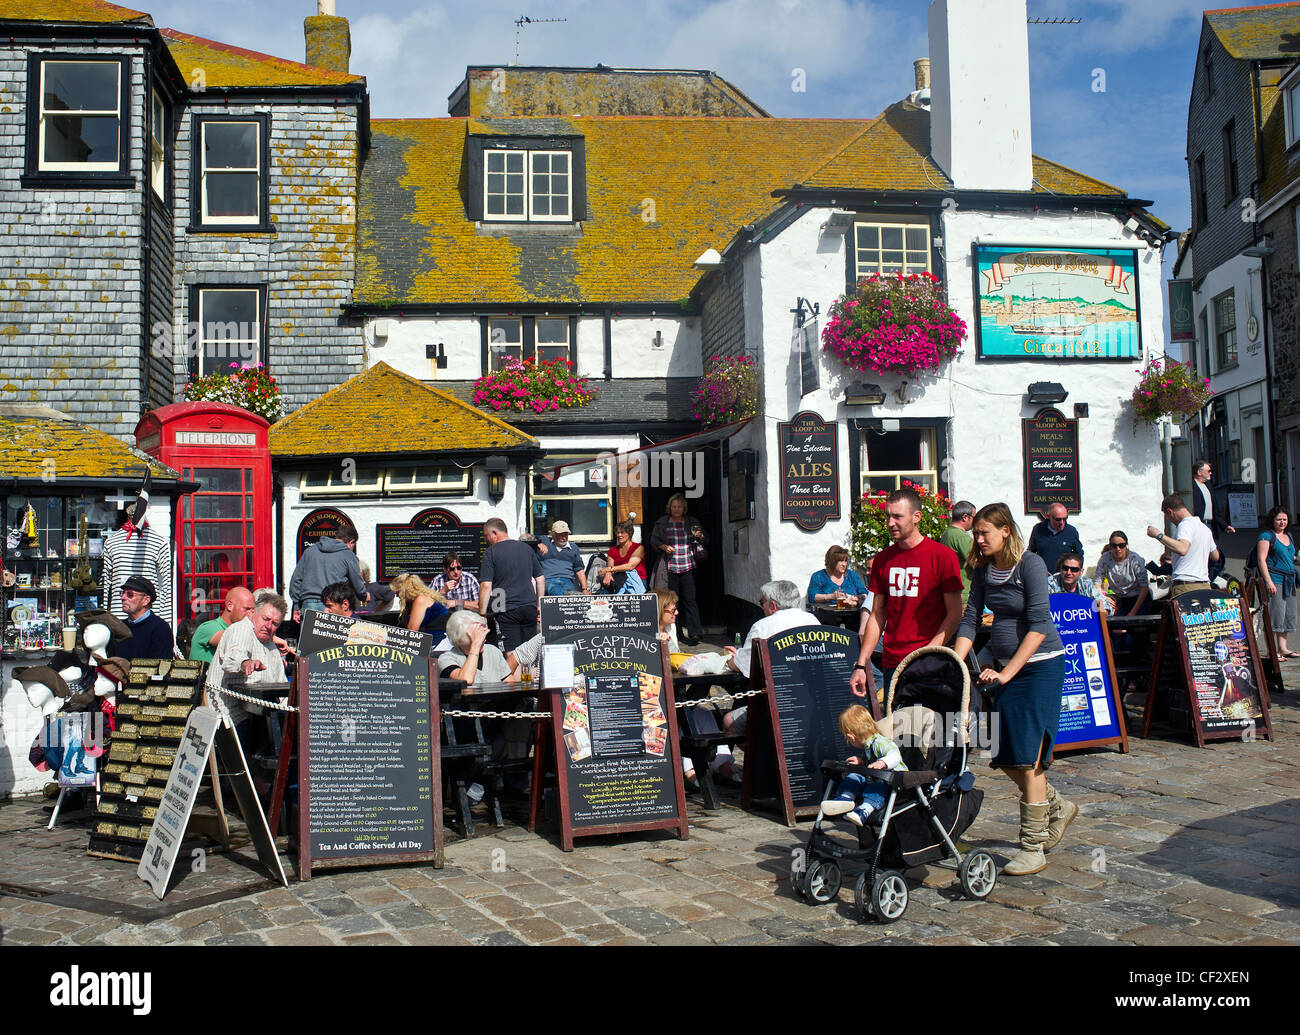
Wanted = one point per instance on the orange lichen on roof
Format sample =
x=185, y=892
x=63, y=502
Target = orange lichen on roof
x=385, y=412
x=227, y=67
x=37, y=447
x=1256, y=32
x=1281, y=166
x=69, y=11
x=660, y=191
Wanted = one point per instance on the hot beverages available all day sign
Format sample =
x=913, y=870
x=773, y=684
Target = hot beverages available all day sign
x=1051, y=444
x=810, y=471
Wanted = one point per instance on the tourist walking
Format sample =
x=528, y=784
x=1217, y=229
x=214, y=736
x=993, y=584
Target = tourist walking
x=1275, y=551
x=1191, y=547
x=1026, y=687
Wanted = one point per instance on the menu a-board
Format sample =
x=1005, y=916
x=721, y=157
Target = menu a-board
x=806, y=672
x=369, y=768
x=1217, y=670
x=810, y=471
x=419, y=545
x=1092, y=714
x=1051, y=444
x=614, y=738
x=322, y=629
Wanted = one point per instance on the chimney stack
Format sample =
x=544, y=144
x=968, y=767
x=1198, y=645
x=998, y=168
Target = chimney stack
x=979, y=96
x=921, y=66
x=329, y=39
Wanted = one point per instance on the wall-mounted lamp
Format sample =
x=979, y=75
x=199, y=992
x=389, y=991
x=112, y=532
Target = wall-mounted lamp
x=864, y=395
x=496, y=467
x=1041, y=392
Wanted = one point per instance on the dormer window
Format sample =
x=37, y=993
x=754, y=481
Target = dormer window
x=78, y=121
x=526, y=180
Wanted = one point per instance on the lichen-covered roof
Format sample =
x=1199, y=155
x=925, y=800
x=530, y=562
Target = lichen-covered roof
x=385, y=412
x=44, y=444
x=1258, y=33
x=70, y=12
x=1282, y=166
x=226, y=67
x=660, y=191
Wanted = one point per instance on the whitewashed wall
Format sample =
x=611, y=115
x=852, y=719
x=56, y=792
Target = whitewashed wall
x=1120, y=469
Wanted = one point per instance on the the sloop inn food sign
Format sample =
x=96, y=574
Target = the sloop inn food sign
x=1057, y=303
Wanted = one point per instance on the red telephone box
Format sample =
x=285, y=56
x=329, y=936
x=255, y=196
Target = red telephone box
x=223, y=531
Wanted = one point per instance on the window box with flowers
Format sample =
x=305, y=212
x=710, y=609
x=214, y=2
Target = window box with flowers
x=251, y=387
x=530, y=385
x=868, y=533
x=1168, y=388
x=728, y=392
x=894, y=324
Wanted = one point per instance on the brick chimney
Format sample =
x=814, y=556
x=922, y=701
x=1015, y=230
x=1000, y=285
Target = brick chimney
x=979, y=93
x=329, y=39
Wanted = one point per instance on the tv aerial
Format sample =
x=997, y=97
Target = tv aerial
x=523, y=20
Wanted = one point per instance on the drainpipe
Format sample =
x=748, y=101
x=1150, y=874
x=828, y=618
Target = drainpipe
x=1167, y=455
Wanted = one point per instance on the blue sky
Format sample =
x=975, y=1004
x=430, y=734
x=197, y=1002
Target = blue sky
x=857, y=56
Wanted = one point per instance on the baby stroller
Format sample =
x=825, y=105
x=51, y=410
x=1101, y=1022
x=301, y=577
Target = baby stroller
x=928, y=807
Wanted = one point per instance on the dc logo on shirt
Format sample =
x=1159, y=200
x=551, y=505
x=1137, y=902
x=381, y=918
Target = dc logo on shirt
x=904, y=582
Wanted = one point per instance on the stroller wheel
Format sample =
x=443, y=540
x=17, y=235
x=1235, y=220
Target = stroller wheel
x=799, y=874
x=978, y=873
x=823, y=881
x=885, y=900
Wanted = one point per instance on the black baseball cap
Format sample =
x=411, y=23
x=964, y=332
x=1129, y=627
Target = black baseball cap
x=141, y=585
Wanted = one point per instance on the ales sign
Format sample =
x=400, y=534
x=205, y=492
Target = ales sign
x=810, y=471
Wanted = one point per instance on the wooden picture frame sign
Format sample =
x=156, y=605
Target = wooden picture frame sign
x=613, y=744
x=1051, y=462
x=794, y=726
x=369, y=764
x=1207, y=662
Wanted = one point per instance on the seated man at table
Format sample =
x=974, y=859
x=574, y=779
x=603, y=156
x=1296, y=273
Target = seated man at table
x=780, y=602
x=248, y=653
x=1069, y=578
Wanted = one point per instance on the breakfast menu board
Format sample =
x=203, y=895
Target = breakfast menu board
x=369, y=767
x=1217, y=665
x=617, y=764
x=1091, y=712
x=806, y=672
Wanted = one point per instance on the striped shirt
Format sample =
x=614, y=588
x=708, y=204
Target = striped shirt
x=465, y=589
x=148, y=554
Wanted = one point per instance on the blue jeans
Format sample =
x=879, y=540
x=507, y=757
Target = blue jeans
x=311, y=604
x=557, y=587
x=858, y=788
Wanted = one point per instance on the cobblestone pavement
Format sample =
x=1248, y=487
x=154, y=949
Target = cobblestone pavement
x=1174, y=845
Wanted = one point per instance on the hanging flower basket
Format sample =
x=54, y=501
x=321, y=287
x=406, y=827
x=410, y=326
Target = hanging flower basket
x=1168, y=388
x=529, y=385
x=868, y=534
x=728, y=392
x=894, y=324
x=249, y=387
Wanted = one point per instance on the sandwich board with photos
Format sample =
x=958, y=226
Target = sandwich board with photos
x=613, y=747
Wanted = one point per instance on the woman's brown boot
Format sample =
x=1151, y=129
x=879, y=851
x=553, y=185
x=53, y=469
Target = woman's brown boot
x=1061, y=813
x=1033, y=834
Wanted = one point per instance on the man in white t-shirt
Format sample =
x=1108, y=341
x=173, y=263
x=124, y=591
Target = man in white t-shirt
x=780, y=602
x=1191, y=547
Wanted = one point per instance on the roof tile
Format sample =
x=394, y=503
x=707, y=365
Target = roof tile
x=226, y=67
x=30, y=443
x=70, y=12
x=1261, y=32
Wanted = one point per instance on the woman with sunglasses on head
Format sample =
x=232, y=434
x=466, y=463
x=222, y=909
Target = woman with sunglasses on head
x=1124, y=573
x=1026, y=688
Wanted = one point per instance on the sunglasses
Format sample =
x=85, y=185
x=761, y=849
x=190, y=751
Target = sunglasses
x=1069, y=568
x=455, y=567
x=1119, y=546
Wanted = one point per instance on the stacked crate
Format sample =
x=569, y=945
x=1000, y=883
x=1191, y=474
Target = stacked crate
x=152, y=708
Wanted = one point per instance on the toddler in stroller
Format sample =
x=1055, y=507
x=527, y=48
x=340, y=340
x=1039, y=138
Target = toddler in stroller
x=857, y=796
x=922, y=810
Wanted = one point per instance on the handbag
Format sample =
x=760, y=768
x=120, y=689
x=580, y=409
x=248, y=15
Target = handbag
x=699, y=552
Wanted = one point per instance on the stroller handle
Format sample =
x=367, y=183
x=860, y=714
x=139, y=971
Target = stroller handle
x=965, y=685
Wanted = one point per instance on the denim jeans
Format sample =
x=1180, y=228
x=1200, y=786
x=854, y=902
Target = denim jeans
x=858, y=788
x=557, y=587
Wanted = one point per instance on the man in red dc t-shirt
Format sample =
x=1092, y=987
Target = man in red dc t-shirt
x=916, y=584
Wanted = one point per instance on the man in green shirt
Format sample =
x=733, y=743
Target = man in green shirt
x=957, y=538
x=239, y=602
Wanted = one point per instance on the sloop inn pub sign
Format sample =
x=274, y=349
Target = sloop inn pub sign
x=1056, y=302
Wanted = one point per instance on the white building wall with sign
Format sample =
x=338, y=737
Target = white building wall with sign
x=982, y=401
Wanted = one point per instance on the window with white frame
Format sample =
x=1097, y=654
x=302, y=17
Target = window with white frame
x=890, y=248
x=1225, y=330
x=80, y=116
x=366, y=479
x=229, y=328
x=505, y=341
x=157, y=146
x=890, y=458
x=581, y=495
x=231, y=177
x=527, y=186
x=1291, y=104
x=552, y=338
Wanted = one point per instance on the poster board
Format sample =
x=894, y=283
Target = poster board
x=1051, y=462
x=1207, y=673
x=1092, y=713
x=321, y=522
x=614, y=732
x=321, y=629
x=810, y=470
x=419, y=545
x=369, y=766
x=794, y=727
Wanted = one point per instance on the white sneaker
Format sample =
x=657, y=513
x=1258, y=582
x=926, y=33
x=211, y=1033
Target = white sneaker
x=854, y=817
x=837, y=807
